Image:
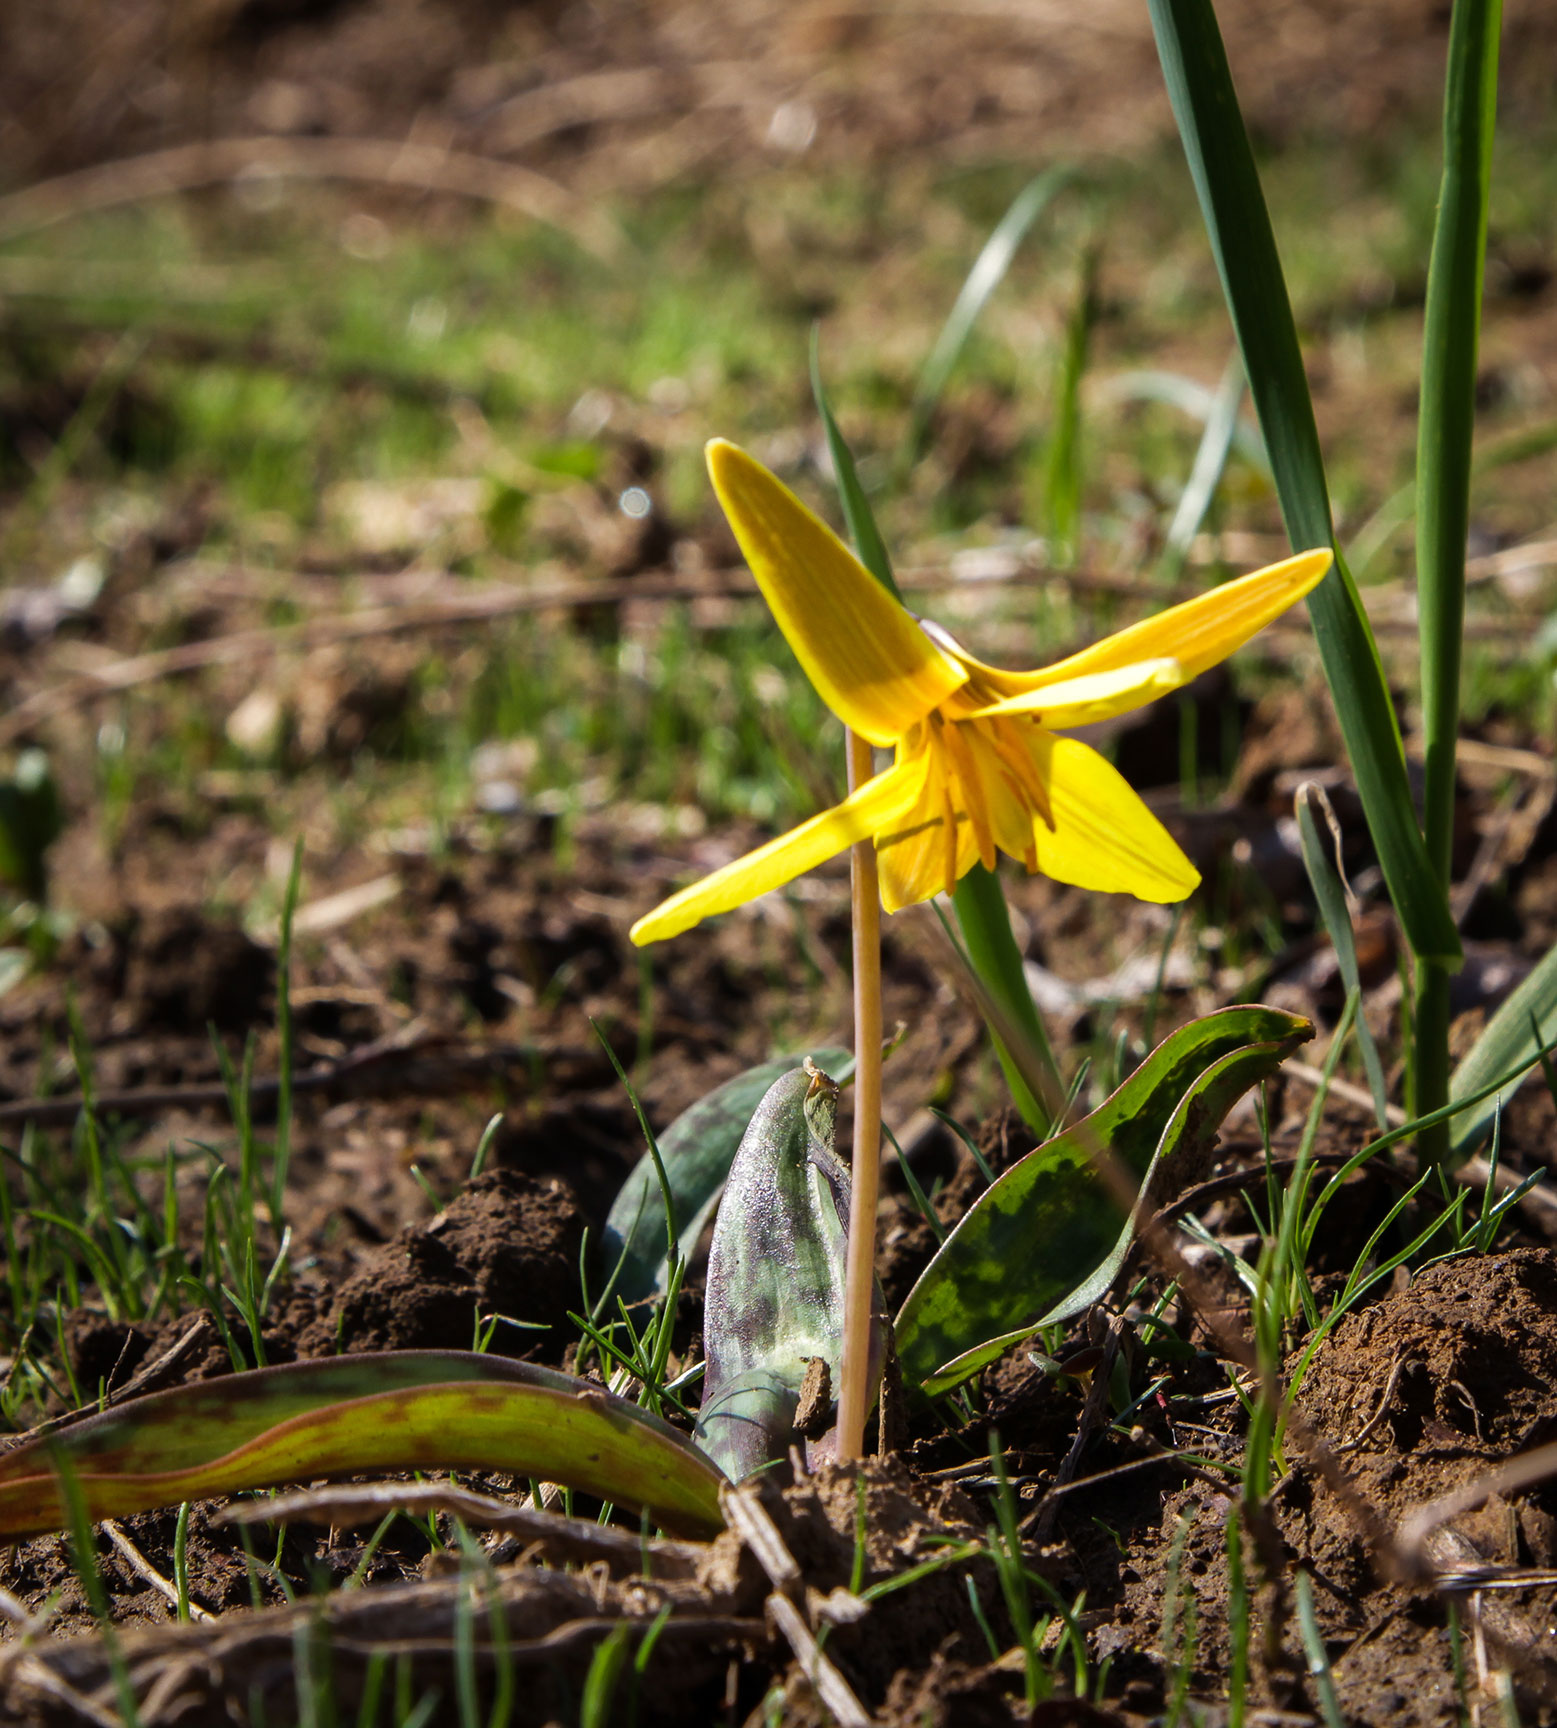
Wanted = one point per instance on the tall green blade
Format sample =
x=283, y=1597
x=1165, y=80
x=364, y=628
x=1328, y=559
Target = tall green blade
x=1221, y=162
x=1448, y=415
x=985, y=922
x=1330, y=892
x=1443, y=473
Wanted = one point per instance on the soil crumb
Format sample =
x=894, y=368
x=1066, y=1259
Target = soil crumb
x=508, y=1246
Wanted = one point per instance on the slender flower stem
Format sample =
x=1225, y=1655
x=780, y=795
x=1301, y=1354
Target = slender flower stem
x=860, y=1269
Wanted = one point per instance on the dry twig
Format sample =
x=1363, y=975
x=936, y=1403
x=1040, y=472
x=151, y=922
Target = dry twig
x=574, y=1540
x=379, y=161
x=143, y=1568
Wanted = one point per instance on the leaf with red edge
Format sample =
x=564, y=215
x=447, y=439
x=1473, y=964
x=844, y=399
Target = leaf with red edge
x=401, y=1410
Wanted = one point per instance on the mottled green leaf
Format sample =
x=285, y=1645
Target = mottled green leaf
x=402, y=1410
x=1047, y=1238
x=697, y=1149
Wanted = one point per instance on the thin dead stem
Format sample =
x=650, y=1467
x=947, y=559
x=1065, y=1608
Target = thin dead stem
x=144, y=1570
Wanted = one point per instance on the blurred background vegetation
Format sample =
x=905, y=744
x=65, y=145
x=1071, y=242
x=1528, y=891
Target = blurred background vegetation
x=308, y=308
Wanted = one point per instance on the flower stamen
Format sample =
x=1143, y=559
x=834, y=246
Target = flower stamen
x=966, y=771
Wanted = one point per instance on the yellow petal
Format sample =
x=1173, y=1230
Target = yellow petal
x=924, y=850
x=1094, y=695
x=1208, y=628
x=1103, y=837
x=878, y=803
x=869, y=660
x=914, y=862
x=1198, y=634
x=912, y=865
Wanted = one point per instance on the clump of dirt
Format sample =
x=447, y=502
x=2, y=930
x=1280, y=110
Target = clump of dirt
x=178, y=969
x=884, y=1517
x=1413, y=1396
x=508, y=1245
x=148, y=986
x=104, y=1352
x=1457, y=1368
x=1420, y=1394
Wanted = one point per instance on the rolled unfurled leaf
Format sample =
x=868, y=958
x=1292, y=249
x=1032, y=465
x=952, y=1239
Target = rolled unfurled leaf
x=774, y=1305
x=697, y=1150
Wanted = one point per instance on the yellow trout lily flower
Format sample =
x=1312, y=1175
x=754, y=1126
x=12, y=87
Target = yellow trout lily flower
x=979, y=766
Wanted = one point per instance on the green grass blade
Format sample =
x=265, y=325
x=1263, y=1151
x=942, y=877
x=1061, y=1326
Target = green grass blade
x=283, y=1143
x=1062, y=468
x=1227, y=182
x=1189, y=397
x=1205, y=474
x=988, y=272
x=1445, y=432
x=857, y=513
x=1318, y=1658
x=600, y=1683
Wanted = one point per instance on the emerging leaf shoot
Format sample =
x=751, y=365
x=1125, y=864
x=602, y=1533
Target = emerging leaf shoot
x=774, y=1306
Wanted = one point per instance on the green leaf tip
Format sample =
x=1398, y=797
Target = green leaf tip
x=697, y=1150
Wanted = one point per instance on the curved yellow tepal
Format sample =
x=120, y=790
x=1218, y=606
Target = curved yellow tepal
x=1094, y=696
x=878, y=802
x=1104, y=838
x=1198, y=634
x=868, y=658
